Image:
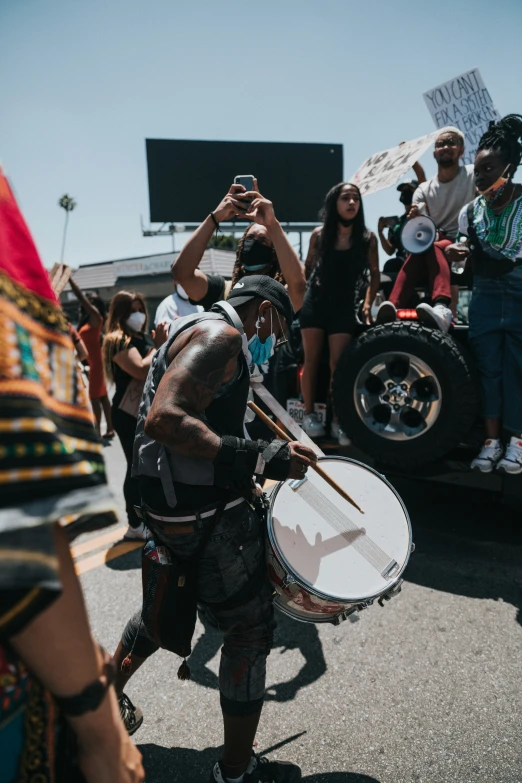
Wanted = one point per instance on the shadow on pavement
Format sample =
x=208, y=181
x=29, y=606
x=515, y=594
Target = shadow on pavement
x=180, y=765
x=289, y=635
x=126, y=562
x=466, y=542
x=339, y=777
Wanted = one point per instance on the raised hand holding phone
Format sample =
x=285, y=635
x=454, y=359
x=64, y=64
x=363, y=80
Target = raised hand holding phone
x=260, y=210
x=228, y=206
x=247, y=180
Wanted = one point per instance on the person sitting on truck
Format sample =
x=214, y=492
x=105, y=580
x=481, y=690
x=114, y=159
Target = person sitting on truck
x=493, y=226
x=264, y=249
x=392, y=244
x=442, y=198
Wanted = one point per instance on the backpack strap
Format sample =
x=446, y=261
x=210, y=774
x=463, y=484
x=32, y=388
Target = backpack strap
x=230, y=314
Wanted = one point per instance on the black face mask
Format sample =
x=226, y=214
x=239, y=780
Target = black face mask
x=255, y=255
x=406, y=198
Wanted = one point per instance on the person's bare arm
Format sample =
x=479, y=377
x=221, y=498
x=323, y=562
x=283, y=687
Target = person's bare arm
x=291, y=267
x=58, y=648
x=131, y=361
x=197, y=370
x=133, y=364
x=79, y=346
x=419, y=172
x=311, y=257
x=185, y=267
x=375, y=278
x=95, y=318
x=81, y=350
x=385, y=243
x=419, y=205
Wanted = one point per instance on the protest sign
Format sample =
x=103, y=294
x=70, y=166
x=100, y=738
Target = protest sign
x=385, y=168
x=465, y=103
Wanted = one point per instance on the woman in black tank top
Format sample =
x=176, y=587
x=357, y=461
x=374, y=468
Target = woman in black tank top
x=341, y=253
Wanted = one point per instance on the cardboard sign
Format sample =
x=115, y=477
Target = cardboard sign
x=386, y=168
x=465, y=103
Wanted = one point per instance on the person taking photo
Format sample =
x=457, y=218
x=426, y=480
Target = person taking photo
x=264, y=249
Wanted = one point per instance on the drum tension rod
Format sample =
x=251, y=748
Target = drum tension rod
x=391, y=593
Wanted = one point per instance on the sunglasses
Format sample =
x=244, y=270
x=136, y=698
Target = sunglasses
x=281, y=340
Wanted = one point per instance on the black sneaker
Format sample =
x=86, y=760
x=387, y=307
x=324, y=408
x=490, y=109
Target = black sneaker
x=131, y=716
x=261, y=770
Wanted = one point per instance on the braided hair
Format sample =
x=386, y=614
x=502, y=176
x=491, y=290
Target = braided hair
x=505, y=137
x=238, y=271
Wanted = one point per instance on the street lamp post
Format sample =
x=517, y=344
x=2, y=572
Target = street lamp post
x=68, y=203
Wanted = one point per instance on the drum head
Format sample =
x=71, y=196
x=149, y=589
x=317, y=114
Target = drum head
x=330, y=547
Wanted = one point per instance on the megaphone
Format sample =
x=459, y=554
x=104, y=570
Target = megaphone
x=418, y=234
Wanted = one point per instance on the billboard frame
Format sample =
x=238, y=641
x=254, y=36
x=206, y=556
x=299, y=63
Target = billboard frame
x=232, y=227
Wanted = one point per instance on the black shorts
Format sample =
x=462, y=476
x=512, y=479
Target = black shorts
x=333, y=317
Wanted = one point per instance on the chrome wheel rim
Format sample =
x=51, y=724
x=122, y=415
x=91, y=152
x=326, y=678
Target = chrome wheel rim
x=397, y=396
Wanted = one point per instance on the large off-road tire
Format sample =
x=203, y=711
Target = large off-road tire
x=405, y=394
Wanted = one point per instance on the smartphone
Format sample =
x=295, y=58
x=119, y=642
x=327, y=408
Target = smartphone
x=390, y=222
x=247, y=180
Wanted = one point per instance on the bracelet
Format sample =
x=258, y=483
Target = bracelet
x=214, y=221
x=91, y=697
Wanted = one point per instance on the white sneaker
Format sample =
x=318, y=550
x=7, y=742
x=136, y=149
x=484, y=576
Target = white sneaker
x=343, y=438
x=438, y=317
x=312, y=426
x=511, y=462
x=140, y=533
x=386, y=313
x=490, y=453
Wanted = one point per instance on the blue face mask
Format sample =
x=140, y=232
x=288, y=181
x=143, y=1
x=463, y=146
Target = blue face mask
x=261, y=352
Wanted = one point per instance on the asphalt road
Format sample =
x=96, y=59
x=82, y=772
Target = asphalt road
x=425, y=690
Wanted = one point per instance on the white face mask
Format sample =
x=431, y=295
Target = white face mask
x=181, y=292
x=135, y=321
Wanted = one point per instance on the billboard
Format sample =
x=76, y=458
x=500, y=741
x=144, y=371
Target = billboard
x=188, y=179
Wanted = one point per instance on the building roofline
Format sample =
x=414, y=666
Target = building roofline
x=129, y=258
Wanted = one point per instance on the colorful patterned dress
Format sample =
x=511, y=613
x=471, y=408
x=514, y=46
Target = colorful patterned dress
x=51, y=470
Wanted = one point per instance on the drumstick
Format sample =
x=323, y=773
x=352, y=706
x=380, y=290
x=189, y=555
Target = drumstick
x=278, y=431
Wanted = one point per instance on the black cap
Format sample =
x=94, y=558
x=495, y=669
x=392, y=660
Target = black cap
x=264, y=287
x=412, y=185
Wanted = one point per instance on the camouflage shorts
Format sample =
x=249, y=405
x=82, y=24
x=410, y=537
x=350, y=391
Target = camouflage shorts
x=230, y=561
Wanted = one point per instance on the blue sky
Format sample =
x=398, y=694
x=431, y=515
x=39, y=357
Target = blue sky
x=83, y=85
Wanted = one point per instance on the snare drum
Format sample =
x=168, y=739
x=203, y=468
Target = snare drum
x=326, y=559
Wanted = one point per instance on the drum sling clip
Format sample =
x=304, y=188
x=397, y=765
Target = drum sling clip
x=296, y=483
x=390, y=569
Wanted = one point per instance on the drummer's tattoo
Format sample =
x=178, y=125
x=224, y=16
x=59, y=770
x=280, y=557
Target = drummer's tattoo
x=205, y=360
